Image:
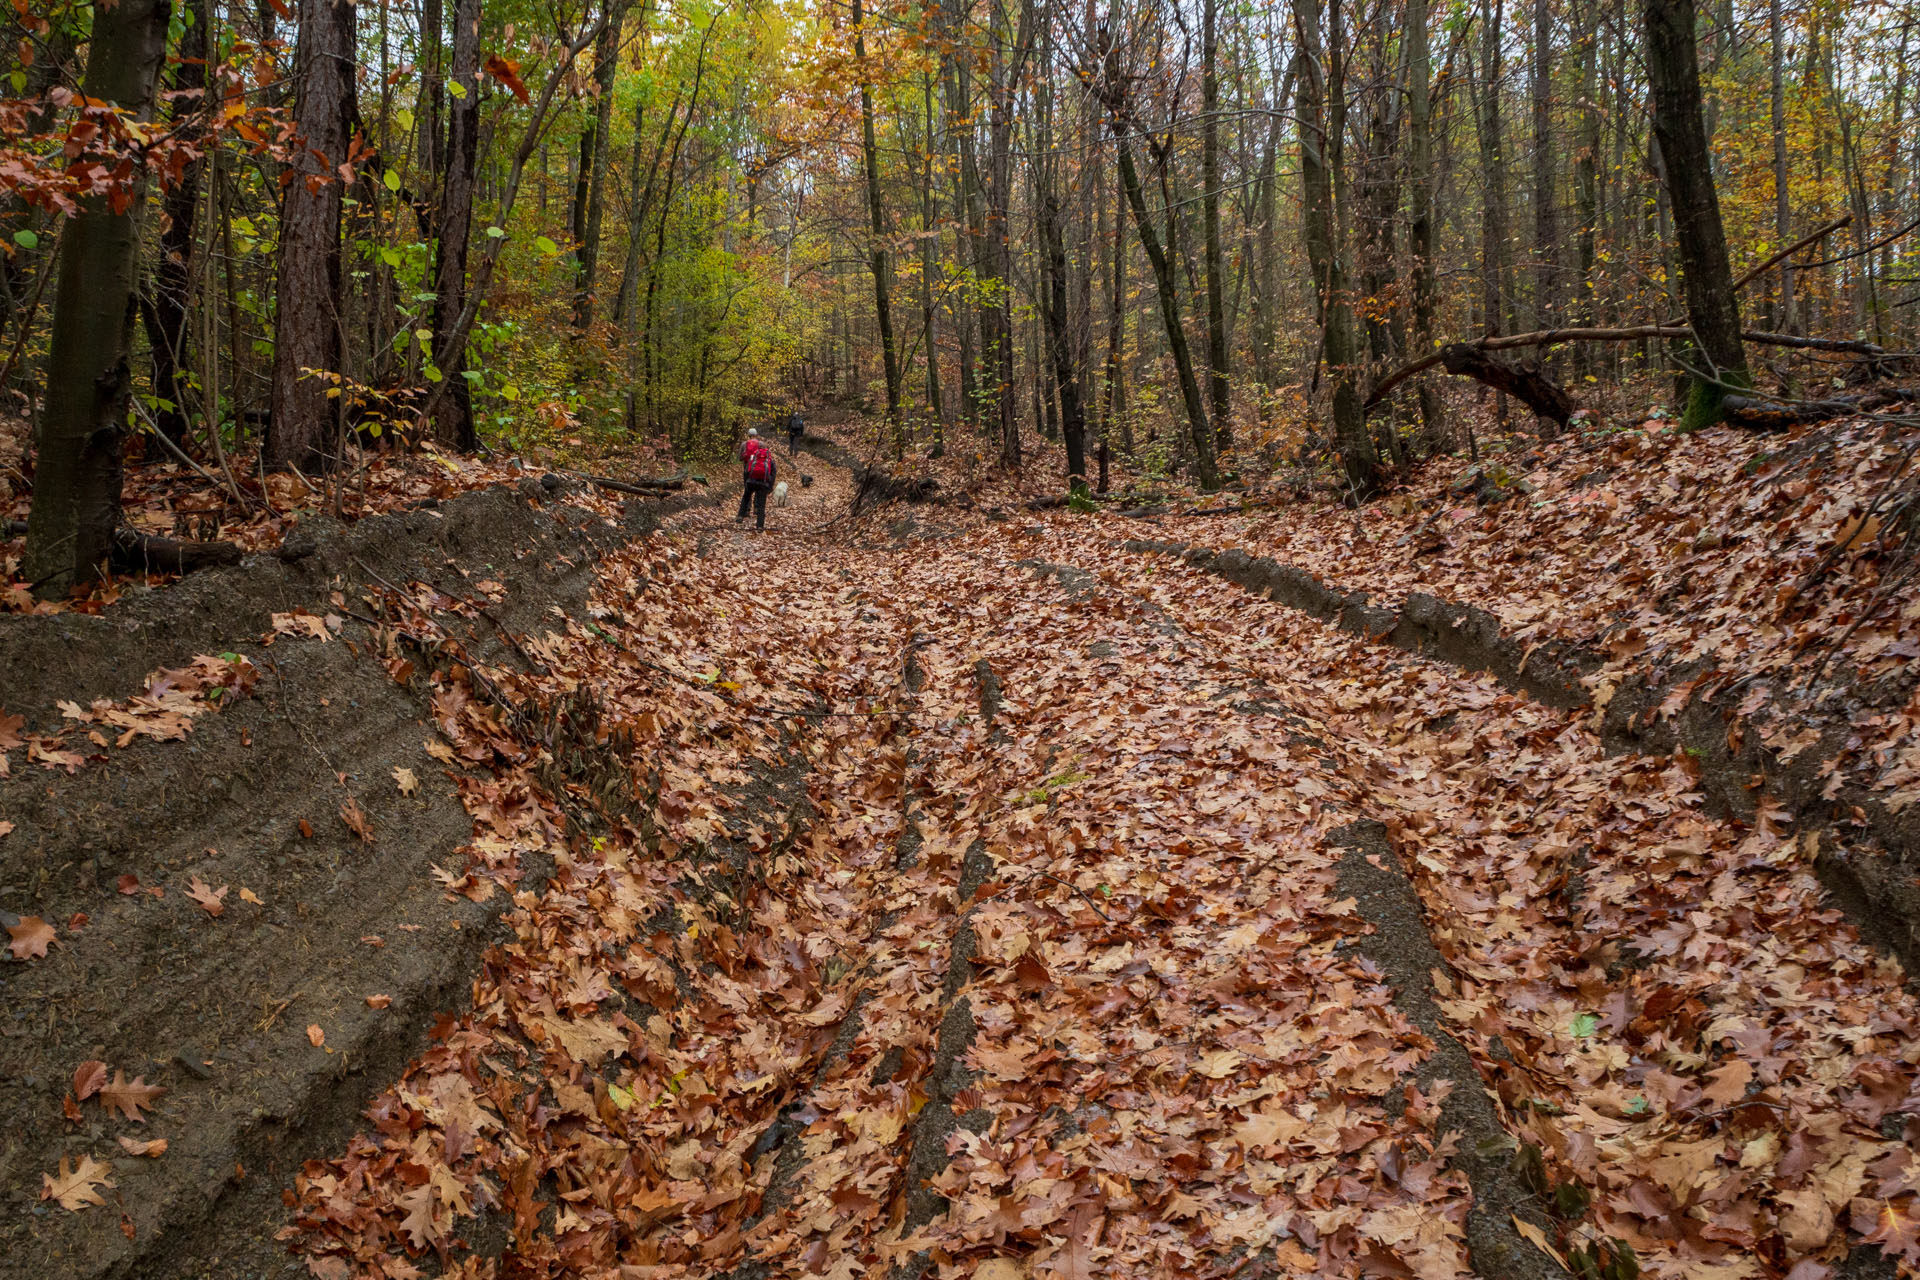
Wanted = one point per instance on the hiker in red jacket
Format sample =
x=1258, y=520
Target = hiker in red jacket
x=757, y=472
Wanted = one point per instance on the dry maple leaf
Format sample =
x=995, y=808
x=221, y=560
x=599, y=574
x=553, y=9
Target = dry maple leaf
x=77, y=1186
x=210, y=898
x=88, y=1078
x=403, y=778
x=155, y=1147
x=30, y=938
x=10, y=727
x=356, y=819
x=128, y=1097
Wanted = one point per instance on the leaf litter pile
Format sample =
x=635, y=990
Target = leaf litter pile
x=981, y=917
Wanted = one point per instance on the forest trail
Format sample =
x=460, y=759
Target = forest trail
x=1022, y=905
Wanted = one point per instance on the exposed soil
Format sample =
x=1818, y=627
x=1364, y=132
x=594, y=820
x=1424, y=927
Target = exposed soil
x=216, y=1010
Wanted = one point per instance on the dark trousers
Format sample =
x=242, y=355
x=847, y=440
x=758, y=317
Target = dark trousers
x=757, y=495
x=793, y=443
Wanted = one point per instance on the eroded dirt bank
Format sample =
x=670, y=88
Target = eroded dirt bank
x=294, y=780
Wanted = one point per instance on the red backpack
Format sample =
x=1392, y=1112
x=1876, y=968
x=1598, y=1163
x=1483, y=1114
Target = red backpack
x=759, y=462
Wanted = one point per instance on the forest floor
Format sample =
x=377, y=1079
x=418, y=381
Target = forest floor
x=999, y=895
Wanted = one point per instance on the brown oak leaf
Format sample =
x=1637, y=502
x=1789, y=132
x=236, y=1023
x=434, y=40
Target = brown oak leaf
x=30, y=938
x=129, y=1097
x=77, y=1186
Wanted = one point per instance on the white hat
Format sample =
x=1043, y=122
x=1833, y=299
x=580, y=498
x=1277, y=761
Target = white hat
x=753, y=431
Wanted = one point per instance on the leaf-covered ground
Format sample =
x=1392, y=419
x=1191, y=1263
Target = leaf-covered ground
x=984, y=920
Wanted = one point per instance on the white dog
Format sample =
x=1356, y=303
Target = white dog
x=780, y=494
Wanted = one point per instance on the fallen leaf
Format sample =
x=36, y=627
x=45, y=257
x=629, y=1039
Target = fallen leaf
x=379, y=1002
x=155, y=1147
x=209, y=898
x=77, y=1186
x=315, y=1036
x=129, y=1097
x=356, y=819
x=88, y=1078
x=128, y=884
x=248, y=895
x=1729, y=1083
x=31, y=937
x=402, y=778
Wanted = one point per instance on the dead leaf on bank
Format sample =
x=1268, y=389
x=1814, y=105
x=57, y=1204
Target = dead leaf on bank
x=30, y=938
x=315, y=1036
x=1001, y=1269
x=356, y=819
x=301, y=623
x=379, y=1002
x=77, y=1186
x=5, y=828
x=155, y=1148
x=404, y=779
x=212, y=900
x=248, y=895
x=88, y=1079
x=128, y=1097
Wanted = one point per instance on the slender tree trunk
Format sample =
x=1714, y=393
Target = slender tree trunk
x=1168, y=287
x=1116, y=410
x=877, y=229
x=76, y=493
x=1329, y=273
x=1546, y=233
x=1420, y=203
x=929, y=268
x=1587, y=172
x=304, y=431
x=1217, y=357
x=430, y=119
x=1673, y=70
x=454, y=423
x=173, y=276
x=606, y=62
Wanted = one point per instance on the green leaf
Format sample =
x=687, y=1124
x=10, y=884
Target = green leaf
x=1585, y=1024
x=18, y=80
x=401, y=339
x=392, y=179
x=433, y=374
x=472, y=375
x=457, y=89
x=496, y=233
x=390, y=256
x=544, y=245
x=404, y=117
x=509, y=392
x=26, y=239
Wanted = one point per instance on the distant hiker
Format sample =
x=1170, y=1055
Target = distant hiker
x=796, y=427
x=757, y=472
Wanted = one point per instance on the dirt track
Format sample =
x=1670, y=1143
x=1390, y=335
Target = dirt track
x=1078, y=912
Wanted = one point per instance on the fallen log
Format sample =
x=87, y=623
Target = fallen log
x=150, y=553
x=645, y=488
x=1762, y=414
x=1628, y=333
x=1523, y=381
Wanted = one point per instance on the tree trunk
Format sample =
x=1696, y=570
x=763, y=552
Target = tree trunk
x=1782, y=199
x=1168, y=288
x=304, y=431
x=1420, y=202
x=453, y=424
x=1329, y=273
x=1115, y=410
x=877, y=228
x=174, y=275
x=1220, y=386
x=1673, y=70
x=929, y=267
x=606, y=62
x=1546, y=234
x=76, y=492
